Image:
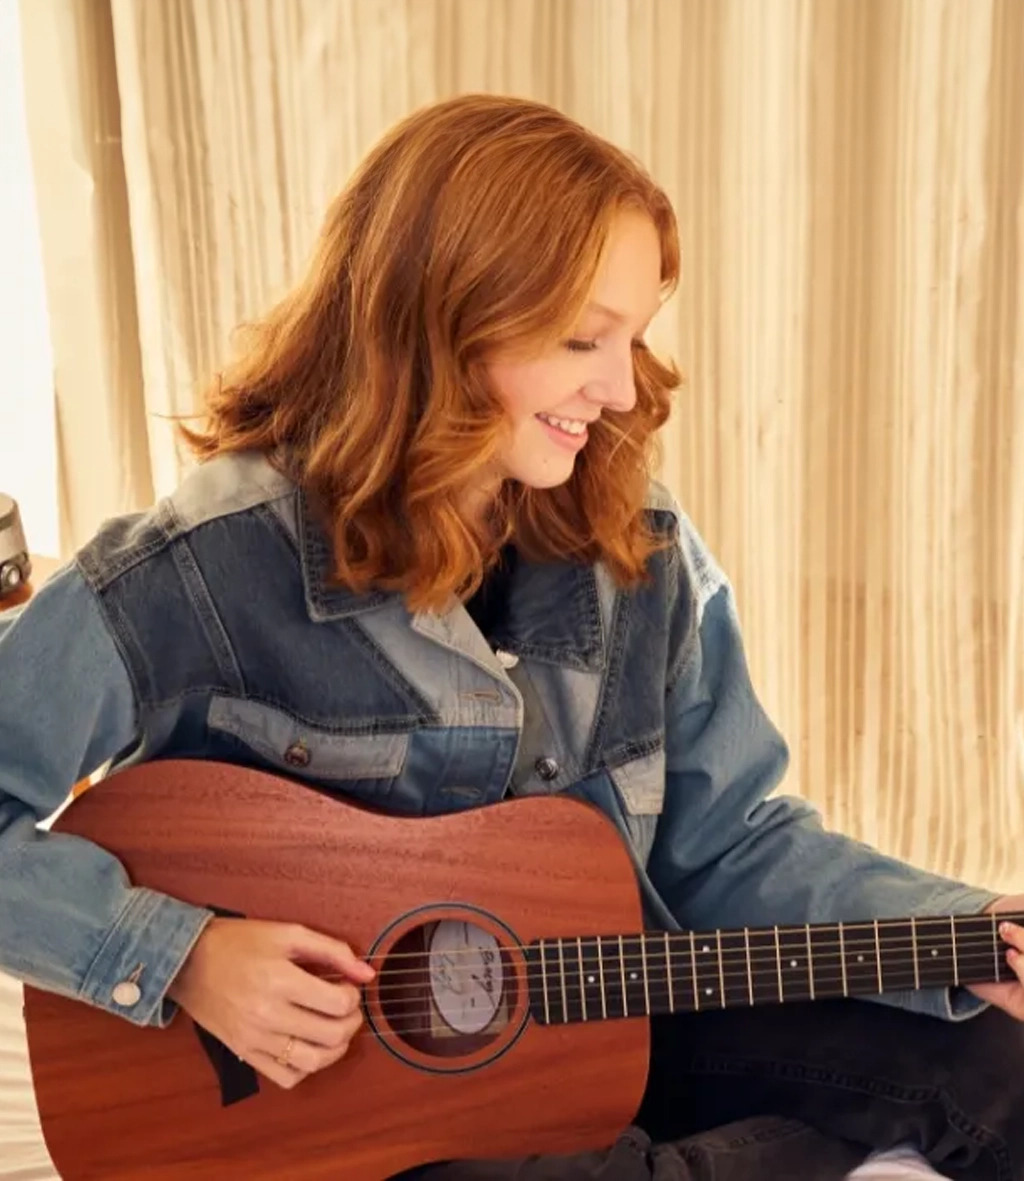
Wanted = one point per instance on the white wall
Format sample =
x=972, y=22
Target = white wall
x=28, y=467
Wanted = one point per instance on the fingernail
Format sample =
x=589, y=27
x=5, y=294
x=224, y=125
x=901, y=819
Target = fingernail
x=1006, y=929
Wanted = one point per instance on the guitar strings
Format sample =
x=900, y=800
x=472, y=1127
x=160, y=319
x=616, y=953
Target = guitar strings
x=706, y=944
x=734, y=963
x=656, y=939
x=657, y=995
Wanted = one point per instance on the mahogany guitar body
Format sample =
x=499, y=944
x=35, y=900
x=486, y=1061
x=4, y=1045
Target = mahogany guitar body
x=123, y=1103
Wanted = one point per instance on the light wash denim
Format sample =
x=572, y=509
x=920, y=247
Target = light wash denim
x=207, y=628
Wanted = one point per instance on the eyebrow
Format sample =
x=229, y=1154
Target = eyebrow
x=618, y=317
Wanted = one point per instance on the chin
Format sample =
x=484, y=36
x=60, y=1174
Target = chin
x=549, y=477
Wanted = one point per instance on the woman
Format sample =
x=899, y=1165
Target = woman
x=457, y=403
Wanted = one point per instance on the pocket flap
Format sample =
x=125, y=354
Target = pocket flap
x=295, y=745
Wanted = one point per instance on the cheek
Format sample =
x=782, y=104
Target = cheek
x=528, y=388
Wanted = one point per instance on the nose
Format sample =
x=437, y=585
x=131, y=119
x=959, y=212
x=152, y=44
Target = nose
x=615, y=388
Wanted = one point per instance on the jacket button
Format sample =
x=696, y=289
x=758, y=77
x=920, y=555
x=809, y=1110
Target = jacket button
x=546, y=768
x=507, y=659
x=126, y=994
x=297, y=755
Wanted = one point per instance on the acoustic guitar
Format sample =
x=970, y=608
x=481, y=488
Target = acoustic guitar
x=510, y=1010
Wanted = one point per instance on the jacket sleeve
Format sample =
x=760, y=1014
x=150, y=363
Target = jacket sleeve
x=70, y=920
x=728, y=852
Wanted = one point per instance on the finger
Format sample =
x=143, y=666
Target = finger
x=1012, y=934
x=1006, y=996
x=318, y=995
x=304, y=944
x=286, y=1076
x=323, y=1032
x=309, y=1058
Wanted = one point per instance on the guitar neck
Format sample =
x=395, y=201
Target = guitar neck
x=586, y=978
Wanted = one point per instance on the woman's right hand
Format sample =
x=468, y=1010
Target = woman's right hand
x=243, y=983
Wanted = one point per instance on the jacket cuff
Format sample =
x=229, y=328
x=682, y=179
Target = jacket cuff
x=141, y=956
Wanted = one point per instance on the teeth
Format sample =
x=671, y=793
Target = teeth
x=571, y=426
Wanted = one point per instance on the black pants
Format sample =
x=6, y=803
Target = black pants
x=803, y=1093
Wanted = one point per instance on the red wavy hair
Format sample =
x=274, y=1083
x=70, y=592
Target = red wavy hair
x=474, y=226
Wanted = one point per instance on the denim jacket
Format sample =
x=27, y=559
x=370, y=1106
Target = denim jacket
x=208, y=628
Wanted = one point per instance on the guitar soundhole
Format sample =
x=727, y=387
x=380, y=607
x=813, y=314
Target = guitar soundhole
x=447, y=989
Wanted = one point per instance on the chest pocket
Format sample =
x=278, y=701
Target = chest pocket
x=361, y=765
x=640, y=784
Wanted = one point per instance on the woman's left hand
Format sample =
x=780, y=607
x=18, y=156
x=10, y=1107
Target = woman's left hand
x=1009, y=995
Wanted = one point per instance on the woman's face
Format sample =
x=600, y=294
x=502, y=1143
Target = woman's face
x=552, y=398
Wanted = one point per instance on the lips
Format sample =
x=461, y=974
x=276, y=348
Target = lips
x=569, y=440
x=570, y=426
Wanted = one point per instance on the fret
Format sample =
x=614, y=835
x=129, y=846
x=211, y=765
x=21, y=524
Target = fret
x=591, y=981
x=538, y=978
x=934, y=953
x=952, y=934
x=659, y=985
x=826, y=953
x=860, y=958
x=600, y=975
x=1004, y=972
x=644, y=976
x=997, y=946
x=583, y=986
x=810, y=959
x=1002, y=969
x=635, y=984
x=896, y=941
x=878, y=956
x=750, y=970
x=980, y=950
x=913, y=944
x=763, y=961
x=778, y=964
x=622, y=976
x=668, y=973
x=613, y=992
x=842, y=959
x=735, y=978
x=693, y=971
x=570, y=981
x=794, y=969
x=707, y=971
x=682, y=979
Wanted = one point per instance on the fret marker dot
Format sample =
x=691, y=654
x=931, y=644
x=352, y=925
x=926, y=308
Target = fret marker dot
x=860, y=959
x=590, y=979
x=935, y=951
x=705, y=948
x=632, y=975
x=792, y=963
x=709, y=991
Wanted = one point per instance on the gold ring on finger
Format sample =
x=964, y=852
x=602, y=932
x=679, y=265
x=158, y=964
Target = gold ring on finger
x=285, y=1057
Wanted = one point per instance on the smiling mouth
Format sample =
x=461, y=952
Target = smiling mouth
x=570, y=426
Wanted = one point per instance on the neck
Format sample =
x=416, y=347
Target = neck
x=585, y=978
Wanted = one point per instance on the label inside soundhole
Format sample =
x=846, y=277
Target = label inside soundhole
x=465, y=975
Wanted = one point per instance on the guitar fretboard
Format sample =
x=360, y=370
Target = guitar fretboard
x=587, y=978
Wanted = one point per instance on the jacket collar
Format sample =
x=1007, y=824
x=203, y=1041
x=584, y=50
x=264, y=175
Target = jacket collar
x=554, y=613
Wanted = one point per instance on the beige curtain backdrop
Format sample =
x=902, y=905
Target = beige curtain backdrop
x=849, y=178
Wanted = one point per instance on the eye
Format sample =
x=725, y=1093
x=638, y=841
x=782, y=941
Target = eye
x=588, y=346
